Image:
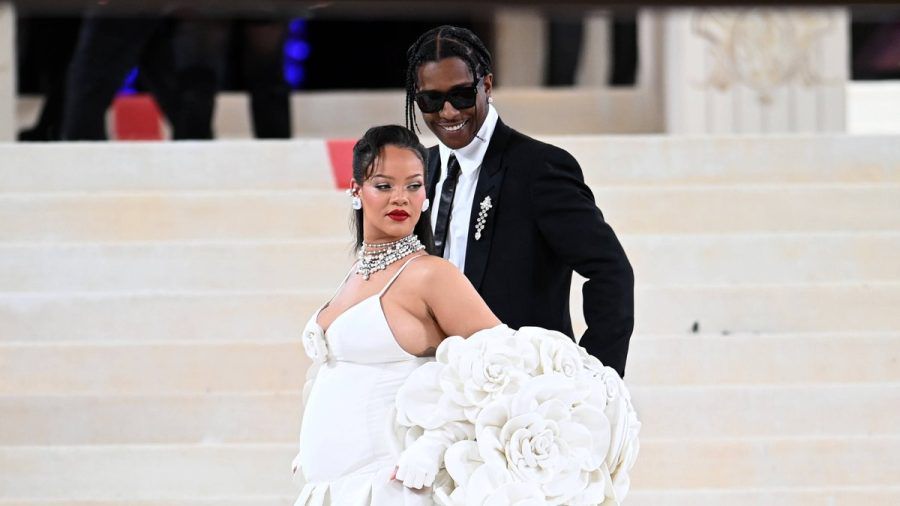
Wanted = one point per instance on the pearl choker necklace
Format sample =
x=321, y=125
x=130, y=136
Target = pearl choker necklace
x=376, y=257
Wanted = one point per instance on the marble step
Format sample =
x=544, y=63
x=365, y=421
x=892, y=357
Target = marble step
x=157, y=316
x=178, y=471
x=658, y=260
x=165, y=368
x=719, y=411
x=780, y=359
x=241, y=315
x=146, y=472
x=110, y=419
x=254, y=367
x=816, y=496
x=805, y=496
x=304, y=163
x=707, y=411
x=154, y=166
x=160, y=216
x=260, y=500
x=801, y=462
x=828, y=307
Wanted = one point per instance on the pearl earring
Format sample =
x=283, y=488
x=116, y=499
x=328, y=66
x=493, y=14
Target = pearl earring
x=425, y=205
x=490, y=100
x=355, y=203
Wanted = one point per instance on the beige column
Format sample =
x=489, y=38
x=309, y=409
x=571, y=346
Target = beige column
x=520, y=35
x=634, y=109
x=594, y=62
x=649, y=87
x=7, y=71
x=755, y=70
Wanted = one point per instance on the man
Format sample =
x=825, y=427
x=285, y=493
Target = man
x=514, y=213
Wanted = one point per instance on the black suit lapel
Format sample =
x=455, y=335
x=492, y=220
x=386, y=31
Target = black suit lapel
x=487, y=190
x=434, y=173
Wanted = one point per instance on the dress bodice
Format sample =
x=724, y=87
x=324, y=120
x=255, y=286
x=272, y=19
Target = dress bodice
x=348, y=435
x=360, y=334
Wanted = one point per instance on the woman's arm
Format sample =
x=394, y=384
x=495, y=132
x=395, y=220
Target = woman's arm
x=453, y=302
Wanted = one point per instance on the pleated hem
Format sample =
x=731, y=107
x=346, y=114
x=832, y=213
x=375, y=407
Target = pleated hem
x=363, y=489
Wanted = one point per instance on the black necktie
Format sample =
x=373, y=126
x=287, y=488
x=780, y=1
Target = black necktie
x=443, y=217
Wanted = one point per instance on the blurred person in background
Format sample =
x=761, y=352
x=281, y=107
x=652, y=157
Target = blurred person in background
x=46, y=46
x=181, y=56
x=202, y=45
x=565, y=42
x=109, y=46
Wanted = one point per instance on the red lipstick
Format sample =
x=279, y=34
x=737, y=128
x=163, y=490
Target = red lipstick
x=398, y=215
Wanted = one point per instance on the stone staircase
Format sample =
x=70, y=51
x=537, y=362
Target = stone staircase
x=151, y=297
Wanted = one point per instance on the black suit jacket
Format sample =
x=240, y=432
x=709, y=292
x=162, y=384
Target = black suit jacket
x=543, y=225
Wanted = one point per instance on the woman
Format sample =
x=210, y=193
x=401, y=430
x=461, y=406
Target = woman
x=384, y=321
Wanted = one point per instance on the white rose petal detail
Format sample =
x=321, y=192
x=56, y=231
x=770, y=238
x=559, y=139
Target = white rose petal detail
x=541, y=439
x=488, y=364
x=560, y=357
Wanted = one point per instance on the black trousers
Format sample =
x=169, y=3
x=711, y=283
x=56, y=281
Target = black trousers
x=181, y=61
x=107, y=49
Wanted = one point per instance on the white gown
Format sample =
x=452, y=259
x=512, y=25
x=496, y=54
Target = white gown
x=347, y=440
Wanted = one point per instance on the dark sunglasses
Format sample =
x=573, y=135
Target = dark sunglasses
x=461, y=97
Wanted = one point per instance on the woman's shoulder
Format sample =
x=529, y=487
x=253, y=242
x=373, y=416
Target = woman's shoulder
x=430, y=265
x=432, y=269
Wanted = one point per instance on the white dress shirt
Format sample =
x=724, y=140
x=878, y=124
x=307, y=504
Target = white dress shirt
x=469, y=158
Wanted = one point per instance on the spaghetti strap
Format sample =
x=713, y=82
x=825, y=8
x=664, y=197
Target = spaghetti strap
x=338, y=289
x=397, y=274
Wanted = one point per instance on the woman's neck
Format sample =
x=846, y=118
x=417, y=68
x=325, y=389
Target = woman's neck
x=382, y=243
x=374, y=257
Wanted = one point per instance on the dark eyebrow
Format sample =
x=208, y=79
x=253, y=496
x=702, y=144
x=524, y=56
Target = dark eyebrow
x=414, y=176
x=381, y=176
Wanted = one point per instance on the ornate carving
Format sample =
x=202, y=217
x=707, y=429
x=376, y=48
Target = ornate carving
x=761, y=48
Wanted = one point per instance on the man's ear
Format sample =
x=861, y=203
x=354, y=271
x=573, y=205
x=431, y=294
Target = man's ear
x=488, y=83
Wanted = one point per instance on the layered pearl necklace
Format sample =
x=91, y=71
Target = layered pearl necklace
x=376, y=257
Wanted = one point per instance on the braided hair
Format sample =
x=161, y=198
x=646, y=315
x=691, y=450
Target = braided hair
x=436, y=44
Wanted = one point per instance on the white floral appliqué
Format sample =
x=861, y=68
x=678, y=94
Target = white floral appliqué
x=314, y=344
x=552, y=424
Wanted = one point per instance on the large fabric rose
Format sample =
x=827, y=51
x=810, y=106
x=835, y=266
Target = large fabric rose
x=552, y=425
x=488, y=364
x=545, y=435
x=557, y=352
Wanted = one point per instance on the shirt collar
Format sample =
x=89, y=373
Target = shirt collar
x=471, y=155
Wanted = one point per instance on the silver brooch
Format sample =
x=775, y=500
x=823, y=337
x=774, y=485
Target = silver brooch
x=482, y=216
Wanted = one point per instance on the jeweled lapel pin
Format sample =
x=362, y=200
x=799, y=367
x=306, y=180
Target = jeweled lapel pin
x=482, y=216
